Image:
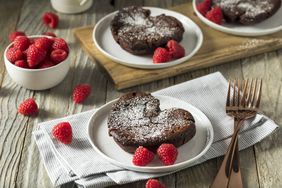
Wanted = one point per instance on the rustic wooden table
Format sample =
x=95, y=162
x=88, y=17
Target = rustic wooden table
x=20, y=163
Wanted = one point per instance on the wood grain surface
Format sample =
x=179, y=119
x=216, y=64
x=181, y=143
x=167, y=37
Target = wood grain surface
x=217, y=48
x=20, y=163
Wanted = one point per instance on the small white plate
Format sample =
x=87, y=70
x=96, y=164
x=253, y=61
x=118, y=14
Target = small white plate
x=268, y=26
x=103, y=39
x=187, y=153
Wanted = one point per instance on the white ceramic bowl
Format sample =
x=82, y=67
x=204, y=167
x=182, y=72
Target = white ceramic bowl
x=71, y=6
x=37, y=79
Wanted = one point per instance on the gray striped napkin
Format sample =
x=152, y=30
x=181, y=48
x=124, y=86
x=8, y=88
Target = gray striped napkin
x=80, y=163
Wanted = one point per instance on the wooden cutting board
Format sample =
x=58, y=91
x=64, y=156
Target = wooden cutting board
x=217, y=48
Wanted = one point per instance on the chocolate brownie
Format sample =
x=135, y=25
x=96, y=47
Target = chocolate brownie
x=136, y=120
x=247, y=12
x=139, y=33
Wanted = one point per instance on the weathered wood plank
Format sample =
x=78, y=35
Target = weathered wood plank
x=268, y=152
x=9, y=17
x=12, y=131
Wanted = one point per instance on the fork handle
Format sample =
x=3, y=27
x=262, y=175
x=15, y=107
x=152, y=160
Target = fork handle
x=235, y=178
x=233, y=160
x=222, y=178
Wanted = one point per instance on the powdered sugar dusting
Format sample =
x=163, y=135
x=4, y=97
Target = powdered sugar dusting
x=140, y=26
x=140, y=118
x=250, y=8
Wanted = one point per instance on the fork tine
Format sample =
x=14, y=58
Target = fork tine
x=228, y=94
x=252, y=102
x=249, y=93
x=259, y=94
x=243, y=99
x=238, y=92
x=234, y=93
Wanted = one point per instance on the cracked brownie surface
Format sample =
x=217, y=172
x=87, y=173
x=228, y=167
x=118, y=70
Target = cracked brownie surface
x=137, y=32
x=247, y=12
x=136, y=120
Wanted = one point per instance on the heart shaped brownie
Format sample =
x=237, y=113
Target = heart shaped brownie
x=136, y=120
x=139, y=33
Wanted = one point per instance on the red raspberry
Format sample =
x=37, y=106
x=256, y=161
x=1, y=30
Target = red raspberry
x=46, y=64
x=43, y=43
x=35, y=56
x=153, y=183
x=63, y=132
x=215, y=15
x=204, y=7
x=142, y=156
x=58, y=56
x=14, y=54
x=22, y=64
x=50, y=19
x=51, y=34
x=21, y=43
x=81, y=92
x=175, y=49
x=60, y=43
x=167, y=153
x=13, y=35
x=28, y=107
x=161, y=55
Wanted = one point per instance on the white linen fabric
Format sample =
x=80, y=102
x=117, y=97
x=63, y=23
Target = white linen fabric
x=80, y=163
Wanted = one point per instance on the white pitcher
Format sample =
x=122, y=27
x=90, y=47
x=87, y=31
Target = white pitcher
x=71, y=6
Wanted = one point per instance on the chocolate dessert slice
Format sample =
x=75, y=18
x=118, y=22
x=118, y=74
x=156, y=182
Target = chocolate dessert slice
x=247, y=12
x=139, y=33
x=136, y=120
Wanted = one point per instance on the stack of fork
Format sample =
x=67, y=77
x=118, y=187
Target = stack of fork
x=242, y=103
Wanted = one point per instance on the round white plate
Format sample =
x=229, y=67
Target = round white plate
x=103, y=39
x=268, y=26
x=187, y=153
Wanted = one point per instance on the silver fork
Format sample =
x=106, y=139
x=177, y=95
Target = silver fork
x=241, y=106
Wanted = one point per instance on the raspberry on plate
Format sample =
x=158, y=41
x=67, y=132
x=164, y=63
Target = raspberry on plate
x=58, y=55
x=63, y=132
x=51, y=34
x=175, y=49
x=60, y=43
x=161, y=55
x=21, y=43
x=153, y=183
x=35, y=55
x=215, y=15
x=13, y=35
x=50, y=19
x=43, y=43
x=142, y=156
x=28, y=107
x=81, y=92
x=14, y=54
x=167, y=154
x=204, y=7
x=22, y=64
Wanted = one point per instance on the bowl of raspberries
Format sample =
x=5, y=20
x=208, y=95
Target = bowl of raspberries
x=37, y=62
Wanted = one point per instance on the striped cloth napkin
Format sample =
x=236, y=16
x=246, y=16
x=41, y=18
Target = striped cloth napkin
x=80, y=163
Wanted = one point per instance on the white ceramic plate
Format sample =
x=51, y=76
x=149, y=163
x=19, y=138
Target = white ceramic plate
x=103, y=39
x=187, y=153
x=268, y=26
